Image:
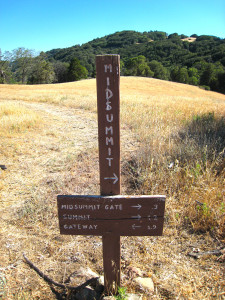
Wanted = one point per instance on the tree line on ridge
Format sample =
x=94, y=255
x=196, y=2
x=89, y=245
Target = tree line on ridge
x=196, y=60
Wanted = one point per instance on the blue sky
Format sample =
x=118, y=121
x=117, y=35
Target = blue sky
x=43, y=25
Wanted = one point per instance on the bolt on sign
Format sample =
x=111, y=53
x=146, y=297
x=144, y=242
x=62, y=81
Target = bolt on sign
x=110, y=214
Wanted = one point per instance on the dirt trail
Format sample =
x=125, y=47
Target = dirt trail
x=59, y=157
x=49, y=153
x=66, y=133
x=75, y=125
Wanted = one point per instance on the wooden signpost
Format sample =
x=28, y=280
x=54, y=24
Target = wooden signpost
x=110, y=215
x=117, y=215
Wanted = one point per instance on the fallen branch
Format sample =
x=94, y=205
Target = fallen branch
x=198, y=254
x=51, y=281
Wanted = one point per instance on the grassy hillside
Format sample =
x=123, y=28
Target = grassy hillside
x=173, y=142
x=198, y=60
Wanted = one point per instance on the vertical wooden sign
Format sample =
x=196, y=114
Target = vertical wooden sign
x=108, y=103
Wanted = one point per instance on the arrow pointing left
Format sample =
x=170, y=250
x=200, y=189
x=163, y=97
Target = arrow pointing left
x=115, y=178
x=135, y=226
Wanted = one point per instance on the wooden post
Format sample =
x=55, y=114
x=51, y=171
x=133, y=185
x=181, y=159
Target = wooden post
x=110, y=214
x=108, y=101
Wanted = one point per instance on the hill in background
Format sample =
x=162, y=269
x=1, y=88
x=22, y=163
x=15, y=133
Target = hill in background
x=195, y=60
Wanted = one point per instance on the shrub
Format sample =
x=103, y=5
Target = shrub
x=191, y=175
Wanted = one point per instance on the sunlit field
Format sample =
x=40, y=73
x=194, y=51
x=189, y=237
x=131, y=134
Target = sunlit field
x=172, y=142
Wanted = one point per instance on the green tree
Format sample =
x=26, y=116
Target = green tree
x=157, y=35
x=5, y=72
x=122, y=67
x=210, y=75
x=42, y=71
x=22, y=60
x=76, y=71
x=61, y=71
x=183, y=75
x=180, y=74
x=138, y=66
x=194, y=76
x=221, y=82
x=173, y=36
x=159, y=71
x=131, y=67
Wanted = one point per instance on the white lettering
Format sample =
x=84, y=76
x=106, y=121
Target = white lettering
x=152, y=228
x=109, y=140
x=109, y=151
x=155, y=206
x=108, y=93
x=67, y=206
x=76, y=217
x=80, y=226
x=114, y=207
x=109, y=161
x=109, y=129
x=111, y=118
x=108, y=105
x=81, y=206
x=108, y=67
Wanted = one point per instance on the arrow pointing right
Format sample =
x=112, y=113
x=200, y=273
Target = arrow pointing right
x=137, y=206
x=115, y=178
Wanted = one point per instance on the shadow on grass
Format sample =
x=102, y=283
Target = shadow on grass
x=197, y=147
x=202, y=139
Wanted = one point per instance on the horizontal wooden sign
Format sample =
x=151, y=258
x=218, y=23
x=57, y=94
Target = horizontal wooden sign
x=120, y=215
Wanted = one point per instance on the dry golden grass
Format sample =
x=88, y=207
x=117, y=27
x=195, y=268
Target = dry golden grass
x=15, y=119
x=51, y=148
x=80, y=94
x=182, y=149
